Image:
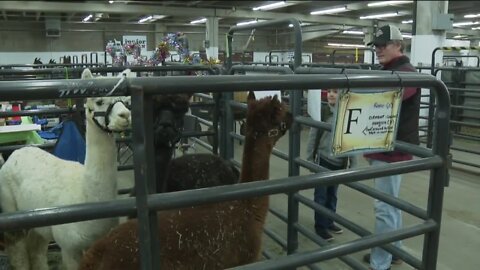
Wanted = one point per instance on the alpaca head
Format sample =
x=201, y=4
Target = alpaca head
x=108, y=113
x=267, y=117
x=168, y=112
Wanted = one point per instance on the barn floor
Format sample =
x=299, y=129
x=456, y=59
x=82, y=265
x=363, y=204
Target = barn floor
x=460, y=233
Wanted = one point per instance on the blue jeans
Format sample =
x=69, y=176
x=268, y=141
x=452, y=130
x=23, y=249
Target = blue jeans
x=325, y=196
x=387, y=217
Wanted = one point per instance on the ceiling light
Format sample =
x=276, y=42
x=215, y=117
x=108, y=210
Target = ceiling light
x=249, y=22
x=204, y=20
x=378, y=16
x=465, y=23
x=145, y=19
x=157, y=17
x=87, y=18
x=346, y=45
x=475, y=28
x=270, y=6
x=407, y=21
x=406, y=35
x=459, y=36
x=387, y=3
x=111, y=2
x=471, y=15
x=351, y=32
x=301, y=24
x=329, y=11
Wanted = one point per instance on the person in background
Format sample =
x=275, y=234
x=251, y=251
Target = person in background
x=389, y=48
x=318, y=151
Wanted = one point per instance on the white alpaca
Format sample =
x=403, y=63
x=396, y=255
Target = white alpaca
x=33, y=178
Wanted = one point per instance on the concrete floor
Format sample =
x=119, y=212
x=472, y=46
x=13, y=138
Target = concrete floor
x=460, y=233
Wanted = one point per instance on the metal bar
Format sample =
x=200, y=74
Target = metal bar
x=281, y=22
x=353, y=49
x=203, y=144
x=466, y=124
x=142, y=137
x=271, y=69
x=336, y=250
x=37, y=112
x=173, y=200
x=439, y=176
x=319, y=241
x=276, y=238
x=357, y=229
x=190, y=84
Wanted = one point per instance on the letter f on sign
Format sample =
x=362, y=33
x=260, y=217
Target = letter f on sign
x=350, y=118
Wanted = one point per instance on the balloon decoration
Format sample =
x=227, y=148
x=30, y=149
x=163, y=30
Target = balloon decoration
x=135, y=50
x=179, y=41
x=160, y=53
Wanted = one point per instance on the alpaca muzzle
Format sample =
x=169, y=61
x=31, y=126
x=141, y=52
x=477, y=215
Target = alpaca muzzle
x=168, y=130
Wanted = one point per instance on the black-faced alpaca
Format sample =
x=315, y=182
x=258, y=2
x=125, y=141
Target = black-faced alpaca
x=213, y=236
x=195, y=171
x=168, y=111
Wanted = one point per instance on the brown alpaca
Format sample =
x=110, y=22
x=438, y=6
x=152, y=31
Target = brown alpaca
x=213, y=236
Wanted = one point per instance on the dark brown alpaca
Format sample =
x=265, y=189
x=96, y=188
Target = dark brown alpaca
x=214, y=236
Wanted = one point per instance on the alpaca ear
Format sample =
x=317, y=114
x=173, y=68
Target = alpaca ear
x=251, y=96
x=87, y=74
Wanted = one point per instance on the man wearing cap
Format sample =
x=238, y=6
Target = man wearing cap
x=389, y=47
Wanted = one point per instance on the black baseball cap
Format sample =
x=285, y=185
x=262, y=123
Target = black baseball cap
x=385, y=34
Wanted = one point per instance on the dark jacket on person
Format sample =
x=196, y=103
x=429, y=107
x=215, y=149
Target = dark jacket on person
x=409, y=114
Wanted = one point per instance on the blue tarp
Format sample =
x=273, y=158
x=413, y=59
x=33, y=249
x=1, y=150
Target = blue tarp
x=70, y=144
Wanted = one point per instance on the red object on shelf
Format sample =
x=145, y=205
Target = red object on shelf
x=16, y=107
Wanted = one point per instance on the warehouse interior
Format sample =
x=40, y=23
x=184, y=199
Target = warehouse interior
x=218, y=51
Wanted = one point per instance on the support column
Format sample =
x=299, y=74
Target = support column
x=424, y=38
x=211, y=36
x=367, y=54
x=424, y=41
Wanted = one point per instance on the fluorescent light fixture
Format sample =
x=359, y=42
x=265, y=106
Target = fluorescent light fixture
x=407, y=21
x=387, y=3
x=378, y=16
x=157, y=17
x=249, y=22
x=145, y=19
x=459, y=36
x=329, y=11
x=87, y=18
x=471, y=16
x=406, y=35
x=111, y=2
x=151, y=18
x=465, y=23
x=301, y=24
x=352, y=32
x=346, y=45
x=204, y=20
x=475, y=28
x=270, y=6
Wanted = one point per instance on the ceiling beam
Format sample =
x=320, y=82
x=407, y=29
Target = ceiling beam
x=89, y=7
x=175, y=11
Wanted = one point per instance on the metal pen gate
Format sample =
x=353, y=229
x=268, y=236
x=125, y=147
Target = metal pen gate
x=435, y=160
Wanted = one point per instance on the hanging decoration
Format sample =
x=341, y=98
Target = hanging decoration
x=179, y=41
x=160, y=54
x=116, y=51
x=135, y=50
